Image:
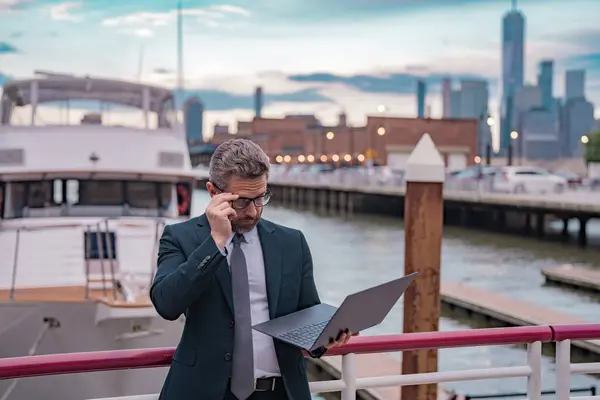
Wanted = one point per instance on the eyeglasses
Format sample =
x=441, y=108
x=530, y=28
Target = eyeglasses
x=242, y=202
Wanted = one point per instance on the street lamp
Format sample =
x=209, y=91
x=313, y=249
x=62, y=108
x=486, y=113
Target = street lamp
x=585, y=139
x=489, y=121
x=514, y=135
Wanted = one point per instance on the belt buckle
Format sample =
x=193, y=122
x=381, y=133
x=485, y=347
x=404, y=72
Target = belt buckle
x=264, y=390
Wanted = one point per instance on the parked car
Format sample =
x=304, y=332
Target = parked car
x=474, y=177
x=573, y=180
x=521, y=179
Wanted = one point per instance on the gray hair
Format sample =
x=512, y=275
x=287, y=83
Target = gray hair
x=237, y=157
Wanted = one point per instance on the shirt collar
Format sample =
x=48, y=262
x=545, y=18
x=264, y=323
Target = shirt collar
x=250, y=236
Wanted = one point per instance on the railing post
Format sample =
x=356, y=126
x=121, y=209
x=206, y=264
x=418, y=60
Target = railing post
x=349, y=376
x=88, y=255
x=15, y=263
x=563, y=370
x=100, y=246
x=110, y=259
x=423, y=228
x=534, y=381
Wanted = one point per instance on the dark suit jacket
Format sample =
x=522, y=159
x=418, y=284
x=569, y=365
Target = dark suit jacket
x=193, y=279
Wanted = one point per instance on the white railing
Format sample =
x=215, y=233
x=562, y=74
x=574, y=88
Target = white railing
x=349, y=383
x=105, y=277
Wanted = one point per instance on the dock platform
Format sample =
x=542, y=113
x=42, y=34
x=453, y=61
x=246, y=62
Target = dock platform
x=575, y=277
x=510, y=311
x=376, y=364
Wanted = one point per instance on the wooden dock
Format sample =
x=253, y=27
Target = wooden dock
x=498, y=307
x=509, y=310
x=370, y=365
x=575, y=277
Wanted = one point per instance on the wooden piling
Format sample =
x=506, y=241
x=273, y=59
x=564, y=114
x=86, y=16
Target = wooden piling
x=423, y=228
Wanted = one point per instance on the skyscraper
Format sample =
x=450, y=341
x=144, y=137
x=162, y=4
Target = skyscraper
x=574, y=84
x=421, y=91
x=258, y=101
x=513, y=67
x=193, y=110
x=545, y=77
x=447, y=98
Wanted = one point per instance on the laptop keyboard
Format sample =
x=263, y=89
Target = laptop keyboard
x=305, y=335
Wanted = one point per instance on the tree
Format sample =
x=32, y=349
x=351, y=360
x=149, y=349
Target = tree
x=592, y=147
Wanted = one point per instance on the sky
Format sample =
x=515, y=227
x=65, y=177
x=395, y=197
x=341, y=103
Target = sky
x=311, y=56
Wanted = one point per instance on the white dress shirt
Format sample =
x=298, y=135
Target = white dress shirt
x=265, y=359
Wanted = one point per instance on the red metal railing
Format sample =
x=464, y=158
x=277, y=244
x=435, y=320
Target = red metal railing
x=54, y=364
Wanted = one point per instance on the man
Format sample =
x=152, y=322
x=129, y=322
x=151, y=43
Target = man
x=227, y=270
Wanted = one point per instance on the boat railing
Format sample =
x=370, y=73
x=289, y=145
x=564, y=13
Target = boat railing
x=112, y=283
x=349, y=382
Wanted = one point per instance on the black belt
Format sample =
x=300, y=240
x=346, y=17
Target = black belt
x=266, y=384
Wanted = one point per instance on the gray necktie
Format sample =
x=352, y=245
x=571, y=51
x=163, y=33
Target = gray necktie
x=242, y=374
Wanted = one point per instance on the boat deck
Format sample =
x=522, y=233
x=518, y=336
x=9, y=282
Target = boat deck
x=71, y=294
x=576, y=277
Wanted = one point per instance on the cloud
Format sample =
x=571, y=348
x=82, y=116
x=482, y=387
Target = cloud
x=162, y=71
x=586, y=61
x=10, y=5
x=62, y=11
x=584, y=40
x=147, y=22
x=215, y=100
x=393, y=83
x=7, y=48
x=332, y=10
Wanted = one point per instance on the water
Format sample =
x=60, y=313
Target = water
x=350, y=255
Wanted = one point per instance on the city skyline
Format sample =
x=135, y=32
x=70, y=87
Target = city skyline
x=309, y=58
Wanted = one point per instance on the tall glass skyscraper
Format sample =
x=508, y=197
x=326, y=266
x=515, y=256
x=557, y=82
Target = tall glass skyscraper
x=193, y=111
x=545, y=78
x=513, y=67
x=421, y=93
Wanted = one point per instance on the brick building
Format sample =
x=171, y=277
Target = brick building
x=387, y=140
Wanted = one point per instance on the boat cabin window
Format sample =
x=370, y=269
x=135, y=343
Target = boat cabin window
x=71, y=197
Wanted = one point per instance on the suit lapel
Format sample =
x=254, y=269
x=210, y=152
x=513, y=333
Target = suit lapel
x=223, y=275
x=273, y=257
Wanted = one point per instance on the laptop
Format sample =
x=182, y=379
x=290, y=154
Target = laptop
x=312, y=327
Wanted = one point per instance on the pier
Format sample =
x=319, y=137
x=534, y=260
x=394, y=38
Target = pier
x=509, y=311
x=355, y=192
x=525, y=213
x=574, y=277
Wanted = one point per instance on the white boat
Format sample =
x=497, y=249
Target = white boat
x=82, y=208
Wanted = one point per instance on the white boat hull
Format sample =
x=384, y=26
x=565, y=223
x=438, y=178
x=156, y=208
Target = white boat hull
x=83, y=327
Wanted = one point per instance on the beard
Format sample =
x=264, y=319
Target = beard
x=244, y=225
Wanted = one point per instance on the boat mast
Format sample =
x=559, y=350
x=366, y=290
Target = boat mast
x=179, y=47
